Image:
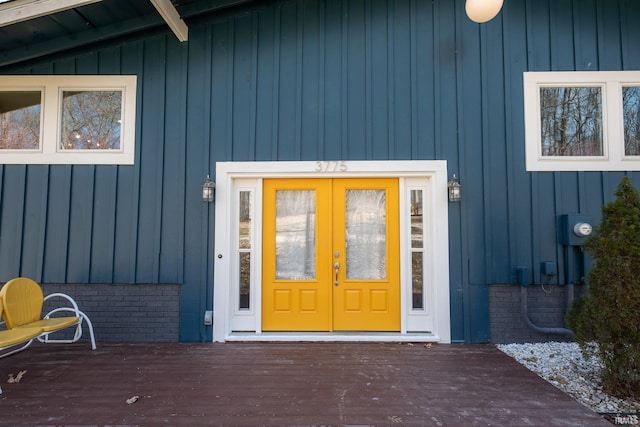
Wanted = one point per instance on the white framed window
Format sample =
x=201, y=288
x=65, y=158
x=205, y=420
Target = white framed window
x=582, y=120
x=67, y=119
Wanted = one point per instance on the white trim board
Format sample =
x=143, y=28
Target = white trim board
x=332, y=337
x=19, y=11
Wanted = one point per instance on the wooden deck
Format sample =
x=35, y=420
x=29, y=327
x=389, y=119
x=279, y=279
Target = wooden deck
x=280, y=384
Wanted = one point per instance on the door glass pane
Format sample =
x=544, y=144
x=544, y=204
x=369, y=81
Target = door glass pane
x=295, y=234
x=91, y=120
x=245, y=210
x=416, y=218
x=417, y=243
x=366, y=225
x=20, y=120
x=245, y=281
x=631, y=102
x=571, y=121
x=416, y=281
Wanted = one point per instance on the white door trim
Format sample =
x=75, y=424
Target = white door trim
x=434, y=173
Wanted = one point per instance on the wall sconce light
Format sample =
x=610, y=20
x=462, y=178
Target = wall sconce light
x=208, y=189
x=454, y=189
x=482, y=10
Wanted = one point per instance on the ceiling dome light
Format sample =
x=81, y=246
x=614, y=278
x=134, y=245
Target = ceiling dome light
x=482, y=10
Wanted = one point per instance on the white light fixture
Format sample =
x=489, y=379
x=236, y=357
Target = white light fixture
x=482, y=10
x=208, y=188
x=454, y=189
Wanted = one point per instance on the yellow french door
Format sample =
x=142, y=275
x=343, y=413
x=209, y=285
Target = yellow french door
x=330, y=255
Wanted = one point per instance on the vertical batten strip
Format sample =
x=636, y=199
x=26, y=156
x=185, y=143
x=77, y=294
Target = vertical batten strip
x=391, y=95
x=368, y=101
x=322, y=114
x=275, y=106
x=135, y=199
x=17, y=234
x=158, y=213
x=437, y=78
x=42, y=226
x=253, y=105
x=299, y=64
x=414, y=80
x=344, y=82
x=231, y=83
x=487, y=117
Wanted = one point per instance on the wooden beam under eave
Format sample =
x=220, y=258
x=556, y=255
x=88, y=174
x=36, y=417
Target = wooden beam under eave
x=24, y=10
x=172, y=18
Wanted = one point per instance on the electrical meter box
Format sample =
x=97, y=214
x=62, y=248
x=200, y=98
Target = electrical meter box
x=575, y=228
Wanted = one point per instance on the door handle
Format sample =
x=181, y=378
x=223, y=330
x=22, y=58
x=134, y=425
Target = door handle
x=336, y=266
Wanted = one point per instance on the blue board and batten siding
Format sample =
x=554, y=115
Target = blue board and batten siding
x=310, y=80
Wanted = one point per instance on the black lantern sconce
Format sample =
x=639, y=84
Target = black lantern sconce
x=208, y=190
x=454, y=189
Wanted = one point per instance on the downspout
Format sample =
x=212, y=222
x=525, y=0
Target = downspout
x=523, y=281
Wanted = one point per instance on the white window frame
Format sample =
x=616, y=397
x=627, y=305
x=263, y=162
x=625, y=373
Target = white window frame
x=611, y=83
x=422, y=319
x=51, y=88
x=430, y=325
x=245, y=320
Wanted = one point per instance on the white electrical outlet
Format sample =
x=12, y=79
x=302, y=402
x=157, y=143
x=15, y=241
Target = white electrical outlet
x=208, y=317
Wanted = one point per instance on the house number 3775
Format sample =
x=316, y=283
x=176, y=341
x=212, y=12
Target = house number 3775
x=331, y=166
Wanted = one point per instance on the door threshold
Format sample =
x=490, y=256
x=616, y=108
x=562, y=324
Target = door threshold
x=334, y=336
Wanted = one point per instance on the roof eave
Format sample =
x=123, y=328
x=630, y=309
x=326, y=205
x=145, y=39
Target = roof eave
x=22, y=10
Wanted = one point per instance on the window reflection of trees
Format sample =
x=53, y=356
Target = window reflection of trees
x=244, y=245
x=20, y=120
x=91, y=120
x=631, y=108
x=571, y=121
x=417, y=248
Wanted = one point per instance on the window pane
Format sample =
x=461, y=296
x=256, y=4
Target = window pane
x=416, y=219
x=417, y=281
x=91, y=120
x=631, y=102
x=245, y=220
x=245, y=280
x=20, y=120
x=571, y=120
x=366, y=234
x=295, y=234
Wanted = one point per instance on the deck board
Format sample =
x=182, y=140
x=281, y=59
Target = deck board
x=280, y=384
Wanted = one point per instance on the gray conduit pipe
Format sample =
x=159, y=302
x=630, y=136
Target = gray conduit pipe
x=569, y=255
x=525, y=315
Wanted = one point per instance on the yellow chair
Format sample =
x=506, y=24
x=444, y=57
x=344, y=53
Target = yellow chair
x=22, y=299
x=12, y=337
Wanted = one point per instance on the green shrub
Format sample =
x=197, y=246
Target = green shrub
x=609, y=313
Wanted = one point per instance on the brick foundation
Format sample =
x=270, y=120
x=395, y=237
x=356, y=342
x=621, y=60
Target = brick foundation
x=547, y=307
x=126, y=313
